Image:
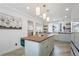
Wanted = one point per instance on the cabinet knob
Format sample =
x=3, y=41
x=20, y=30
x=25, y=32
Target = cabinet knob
x=46, y=46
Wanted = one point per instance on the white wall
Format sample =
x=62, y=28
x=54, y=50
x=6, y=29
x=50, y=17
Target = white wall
x=8, y=37
x=75, y=13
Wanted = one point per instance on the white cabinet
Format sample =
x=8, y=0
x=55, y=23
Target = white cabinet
x=43, y=48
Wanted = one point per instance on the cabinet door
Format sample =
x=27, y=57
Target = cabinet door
x=31, y=48
x=67, y=37
x=77, y=39
x=73, y=37
x=64, y=37
x=61, y=37
x=44, y=48
x=51, y=43
x=56, y=37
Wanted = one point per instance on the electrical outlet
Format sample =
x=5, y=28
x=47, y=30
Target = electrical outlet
x=16, y=44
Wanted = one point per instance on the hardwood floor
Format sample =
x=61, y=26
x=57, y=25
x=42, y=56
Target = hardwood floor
x=17, y=52
x=60, y=49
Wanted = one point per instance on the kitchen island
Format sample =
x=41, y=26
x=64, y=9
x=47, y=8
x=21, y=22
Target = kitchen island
x=39, y=45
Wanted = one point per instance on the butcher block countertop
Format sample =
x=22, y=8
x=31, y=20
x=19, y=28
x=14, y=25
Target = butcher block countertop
x=37, y=38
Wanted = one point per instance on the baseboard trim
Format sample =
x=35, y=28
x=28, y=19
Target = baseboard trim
x=3, y=54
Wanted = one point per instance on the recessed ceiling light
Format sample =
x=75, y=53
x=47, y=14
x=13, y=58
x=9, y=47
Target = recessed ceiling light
x=67, y=9
x=28, y=7
x=65, y=16
x=54, y=19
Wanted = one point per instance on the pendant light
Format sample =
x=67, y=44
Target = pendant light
x=37, y=10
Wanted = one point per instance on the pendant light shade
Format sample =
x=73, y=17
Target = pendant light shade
x=48, y=19
x=37, y=10
x=44, y=16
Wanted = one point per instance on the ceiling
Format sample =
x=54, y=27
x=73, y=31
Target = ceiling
x=56, y=11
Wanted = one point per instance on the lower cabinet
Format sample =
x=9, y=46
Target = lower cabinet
x=43, y=48
x=46, y=46
x=75, y=43
x=63, y=37
x=75, y=51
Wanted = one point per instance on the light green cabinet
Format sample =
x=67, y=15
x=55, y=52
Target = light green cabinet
x=43, y=48
x=47, y=46
x=63, y=37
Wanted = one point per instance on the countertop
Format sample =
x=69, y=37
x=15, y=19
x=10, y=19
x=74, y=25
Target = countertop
x=64, y=32
x=37, y=38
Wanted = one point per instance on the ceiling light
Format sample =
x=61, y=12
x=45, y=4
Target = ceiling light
x=48, y=19
x=28, y=7
x=54, y=19
x=67, y=9
x=37, y=10
x=44, y=16
x=65, y=16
